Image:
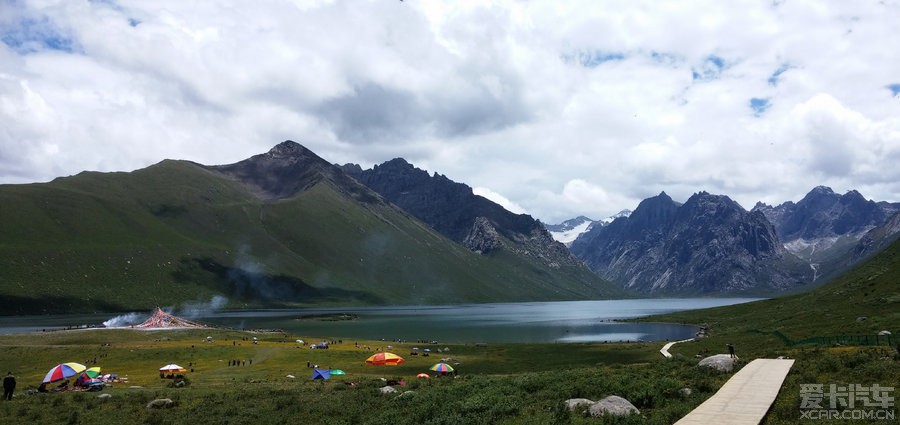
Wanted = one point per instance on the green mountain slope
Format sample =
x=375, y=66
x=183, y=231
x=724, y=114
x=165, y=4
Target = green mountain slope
x=180, y=232
x=863, y=301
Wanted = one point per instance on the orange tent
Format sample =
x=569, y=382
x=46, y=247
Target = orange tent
x=384, y=359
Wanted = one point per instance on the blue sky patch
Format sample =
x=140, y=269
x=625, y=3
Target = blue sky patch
x=894, y=88
x=592, y=59
x=30, y=35
x=773, y=79
x=710, y=69
x=759, y=105
x=666, y=58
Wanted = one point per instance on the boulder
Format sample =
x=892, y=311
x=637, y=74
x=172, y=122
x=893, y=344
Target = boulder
x=613, y=405
x=720, y=362
x=575, y=403
x=387, y=389
x=161, y=403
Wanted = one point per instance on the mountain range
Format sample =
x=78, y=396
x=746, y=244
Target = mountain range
x=287, y=228
x=282, y=228
x=712, y=245
x=823, y=227
x=456, y=212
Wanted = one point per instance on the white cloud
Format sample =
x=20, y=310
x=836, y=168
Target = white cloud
x=499, y=199
x=566, y=108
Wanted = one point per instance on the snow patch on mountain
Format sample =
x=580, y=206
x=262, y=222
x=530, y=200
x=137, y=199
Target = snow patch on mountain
x=569, y=235
x=569, y=230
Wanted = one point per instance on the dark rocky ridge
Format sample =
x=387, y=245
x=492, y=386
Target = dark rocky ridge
x=455, y=211
x=708, y=245
x=289, y=168
x=823, y=213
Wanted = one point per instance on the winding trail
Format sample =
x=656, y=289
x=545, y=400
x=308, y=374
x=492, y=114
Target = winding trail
x=745, y=398
x=665, y=349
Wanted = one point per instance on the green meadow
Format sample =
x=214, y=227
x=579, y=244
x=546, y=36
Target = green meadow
x=507, y=383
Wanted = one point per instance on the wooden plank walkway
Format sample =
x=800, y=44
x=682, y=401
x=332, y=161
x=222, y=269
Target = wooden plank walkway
x=665, y=350
x=745, y=398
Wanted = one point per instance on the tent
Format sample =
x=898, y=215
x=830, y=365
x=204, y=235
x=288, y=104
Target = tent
x=323, y=374
x=384, y=359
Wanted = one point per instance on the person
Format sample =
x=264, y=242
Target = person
x=43, y=388
x=9, y=385
x=730, y=349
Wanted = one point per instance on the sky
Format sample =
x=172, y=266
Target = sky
x=551, y=108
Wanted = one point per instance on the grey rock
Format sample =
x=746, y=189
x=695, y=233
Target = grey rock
x=613, y=405
x=685, y=391
x=387, y=389
x=161, y=403
x=720, y=362
x=576, y=403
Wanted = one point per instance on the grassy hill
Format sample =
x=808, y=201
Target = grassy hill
x=864, y=301
x=830, y=332
x=178, y=232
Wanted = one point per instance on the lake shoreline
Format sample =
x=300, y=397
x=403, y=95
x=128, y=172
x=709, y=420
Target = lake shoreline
x=530, y=322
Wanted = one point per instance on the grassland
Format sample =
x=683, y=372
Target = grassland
x=517, y=383
x=509, y=383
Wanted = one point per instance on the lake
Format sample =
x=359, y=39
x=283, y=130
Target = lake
x=560, y=321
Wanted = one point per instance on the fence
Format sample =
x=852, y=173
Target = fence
x=848, y=340
x=888, y=340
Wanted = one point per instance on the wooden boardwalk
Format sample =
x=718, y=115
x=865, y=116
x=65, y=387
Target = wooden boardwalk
x=665, y=350
x=745, y=398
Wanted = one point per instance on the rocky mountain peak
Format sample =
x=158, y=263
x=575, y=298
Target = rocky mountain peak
x=705, y=204
x=455, y=211
x=654, y=212
x=287, y=169
x=710, y=244
x=825, y=214
x=288, y=148
x=854, y=197
x=399, y=164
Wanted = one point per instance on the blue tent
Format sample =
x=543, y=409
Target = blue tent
x=321, y=374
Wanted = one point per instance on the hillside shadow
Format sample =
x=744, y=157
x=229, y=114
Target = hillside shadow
x=239, y=283
x=11, y=305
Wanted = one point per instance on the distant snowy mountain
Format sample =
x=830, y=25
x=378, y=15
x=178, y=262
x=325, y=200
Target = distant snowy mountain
x=569, y=230
x=620, y=214
x=825, y=228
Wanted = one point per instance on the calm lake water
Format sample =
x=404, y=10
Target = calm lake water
x=564, y=321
